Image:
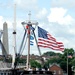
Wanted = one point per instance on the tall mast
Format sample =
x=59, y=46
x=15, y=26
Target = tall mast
x=28, y=24
x=14, y=34
x=29, y=15
x=28, y=56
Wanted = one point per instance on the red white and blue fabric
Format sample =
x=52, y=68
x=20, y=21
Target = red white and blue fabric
x=31, y=35
x=47, y=41
x=31, y=40
x=69, y=56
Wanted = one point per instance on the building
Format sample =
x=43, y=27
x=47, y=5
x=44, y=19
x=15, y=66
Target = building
x=56, y=69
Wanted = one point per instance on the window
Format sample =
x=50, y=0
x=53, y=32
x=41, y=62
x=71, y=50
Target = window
x=59, y=72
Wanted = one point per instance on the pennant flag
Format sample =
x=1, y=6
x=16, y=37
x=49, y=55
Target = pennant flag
x=31, y=35
x=31, y=43
x=31, y=40
x=32, y=28
x=47, y=41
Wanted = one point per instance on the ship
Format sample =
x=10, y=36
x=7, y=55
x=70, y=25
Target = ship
x=13, y=69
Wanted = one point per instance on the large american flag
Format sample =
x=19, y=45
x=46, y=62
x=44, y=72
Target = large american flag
x=47, y=41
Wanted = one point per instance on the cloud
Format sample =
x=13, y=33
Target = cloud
x=63, y=3
x=6, y=4
x=60, y=16
x=26, y=4
x=8, y=21
x=1, y=22
x=42, y=13
x=59, y=23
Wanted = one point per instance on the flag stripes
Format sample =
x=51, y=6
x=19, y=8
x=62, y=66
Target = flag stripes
x=47, y=41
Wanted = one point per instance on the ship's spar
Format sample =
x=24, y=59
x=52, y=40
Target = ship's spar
x=28, y=28
x=28, y=24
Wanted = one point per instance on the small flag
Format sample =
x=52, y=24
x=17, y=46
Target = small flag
x=31, y=40
x=69, y=56
x=31, y=35
x=47, y=41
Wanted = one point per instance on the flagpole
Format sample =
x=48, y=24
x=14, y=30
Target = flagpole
x=67, y=61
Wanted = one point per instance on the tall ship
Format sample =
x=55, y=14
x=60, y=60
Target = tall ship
x=13, y=68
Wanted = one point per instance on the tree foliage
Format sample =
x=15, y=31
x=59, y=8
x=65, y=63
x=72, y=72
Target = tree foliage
x=62, y=58
x=35, y=64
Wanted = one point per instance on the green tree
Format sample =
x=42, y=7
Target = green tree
x=35, y=64
x=64, y=58
x=50, y=53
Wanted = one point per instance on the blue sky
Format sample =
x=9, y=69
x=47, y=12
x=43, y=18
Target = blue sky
x=56, y=16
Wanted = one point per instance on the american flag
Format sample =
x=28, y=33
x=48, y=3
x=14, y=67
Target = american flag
x=69, y=56
x=47, y=41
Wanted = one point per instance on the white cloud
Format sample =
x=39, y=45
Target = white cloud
x=59, y=15
x=72, y=31
x=10, y=24
x=1, y=22
x=42, y=13
x=26, y=4
x=63, y=3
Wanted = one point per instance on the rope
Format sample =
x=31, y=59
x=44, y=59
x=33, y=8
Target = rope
x=22, y=42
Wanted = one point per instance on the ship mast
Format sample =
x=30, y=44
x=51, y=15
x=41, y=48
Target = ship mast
x=14, y=36
x=28, y=56
x=28, y=25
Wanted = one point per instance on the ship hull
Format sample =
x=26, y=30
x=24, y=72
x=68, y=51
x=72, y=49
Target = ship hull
x=23, y=72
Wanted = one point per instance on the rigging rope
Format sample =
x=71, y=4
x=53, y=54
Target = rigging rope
x=22, y=41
